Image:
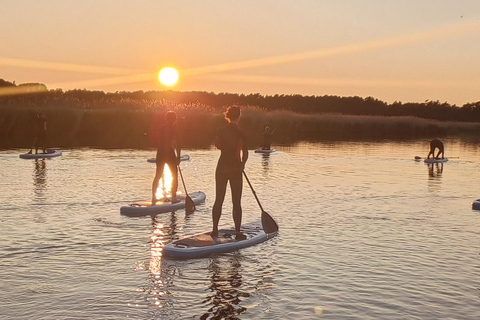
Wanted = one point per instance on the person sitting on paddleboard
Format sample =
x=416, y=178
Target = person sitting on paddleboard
x=234, y=154
x=167, y=145
x=436, y=144
x=267, y=138
x=40, y=133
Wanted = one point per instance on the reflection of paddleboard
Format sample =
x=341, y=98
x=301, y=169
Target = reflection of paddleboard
x=143, y=208
x=50, y=154
x=203, y=245
x=432, y=160
x=185, y=157
x=264, y=151
x=476, y=204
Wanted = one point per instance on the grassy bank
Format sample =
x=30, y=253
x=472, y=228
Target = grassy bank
x=131, y=124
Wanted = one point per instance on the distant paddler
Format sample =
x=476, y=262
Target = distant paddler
x=436, y=144
x=167, y=144
x=267, y=138
x=40, y=133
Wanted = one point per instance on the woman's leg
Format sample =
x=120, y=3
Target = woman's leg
x=172, y=165
x=220, y=190
x=158, y=176
x=236, y=185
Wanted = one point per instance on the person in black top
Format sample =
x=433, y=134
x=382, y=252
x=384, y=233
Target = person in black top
x=167, y=145
x=234, y=154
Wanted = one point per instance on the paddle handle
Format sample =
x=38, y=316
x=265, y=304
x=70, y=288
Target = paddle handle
x=253, y=191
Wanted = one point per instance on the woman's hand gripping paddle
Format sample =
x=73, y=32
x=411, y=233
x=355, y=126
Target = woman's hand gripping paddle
x=269, y=225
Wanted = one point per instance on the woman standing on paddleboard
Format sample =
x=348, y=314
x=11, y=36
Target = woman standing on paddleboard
x=234, y=154
x=167, y=144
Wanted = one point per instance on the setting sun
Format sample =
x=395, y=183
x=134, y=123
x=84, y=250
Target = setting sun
x=168, y=76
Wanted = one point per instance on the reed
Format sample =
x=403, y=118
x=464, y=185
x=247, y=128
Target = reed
x=131, y=123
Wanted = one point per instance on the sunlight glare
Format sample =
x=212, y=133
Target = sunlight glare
x=168, y=76
x=165, y=184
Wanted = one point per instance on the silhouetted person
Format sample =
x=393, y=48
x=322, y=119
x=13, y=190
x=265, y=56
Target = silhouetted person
x=436, y=144
x=267, y=138
x=234, y=154
x=167, y=145
x=40, y=133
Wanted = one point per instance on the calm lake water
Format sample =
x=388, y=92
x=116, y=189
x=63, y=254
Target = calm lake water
x=366, y=232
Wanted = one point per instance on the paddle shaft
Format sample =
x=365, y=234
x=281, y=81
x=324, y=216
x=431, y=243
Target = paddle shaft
x=253, y=191
x=269, y=225
x=183, y=182
x=33, y=144
x=188, y=201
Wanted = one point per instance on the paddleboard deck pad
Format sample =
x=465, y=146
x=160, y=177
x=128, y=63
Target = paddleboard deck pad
x=203, y=245
x=143, y=208
x=50, y=154
x=185, y=157
x=431, y=160
x=264, y=151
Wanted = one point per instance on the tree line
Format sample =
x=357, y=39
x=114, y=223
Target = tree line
x=326, y=104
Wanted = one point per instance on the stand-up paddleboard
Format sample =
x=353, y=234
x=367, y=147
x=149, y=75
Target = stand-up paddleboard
x=143, y=208
x=49, y=154
x=264, y=151
x=476, y=204
x=203, y=245
x=185, y=157
x=432, y=160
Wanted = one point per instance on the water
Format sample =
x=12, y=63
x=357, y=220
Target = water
x=365, y=233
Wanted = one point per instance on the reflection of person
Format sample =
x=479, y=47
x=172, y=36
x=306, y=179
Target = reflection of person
x=226, y=281
x=234, y=154
x=267, y=138
x=167, y=144
x=436, y=144
x=40, y=133
x=435, y=173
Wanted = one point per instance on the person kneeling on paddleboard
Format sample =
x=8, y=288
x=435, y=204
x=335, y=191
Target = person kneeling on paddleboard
x=234, y=154
x=167, y=144
x=436, y=144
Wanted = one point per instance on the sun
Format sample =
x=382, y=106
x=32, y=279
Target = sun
x=168, y=76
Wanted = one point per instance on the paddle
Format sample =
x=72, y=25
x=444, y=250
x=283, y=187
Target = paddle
x=420, y=158
x=269, y=225
x=189, y=204
x=33, y=146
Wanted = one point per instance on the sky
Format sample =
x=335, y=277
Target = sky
x=407, y=51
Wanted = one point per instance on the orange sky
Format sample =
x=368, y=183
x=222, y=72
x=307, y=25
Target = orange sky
x=391, y=50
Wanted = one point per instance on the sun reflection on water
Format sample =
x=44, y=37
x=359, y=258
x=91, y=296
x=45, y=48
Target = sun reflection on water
x=165, y=185
x=155, y=267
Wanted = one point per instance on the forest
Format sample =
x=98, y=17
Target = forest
x=128, y=119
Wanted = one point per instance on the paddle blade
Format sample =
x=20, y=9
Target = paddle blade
x=189, y=205
x=269, y=225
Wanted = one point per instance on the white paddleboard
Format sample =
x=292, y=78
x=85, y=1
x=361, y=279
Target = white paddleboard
x=432, y=160
x=264, y=151
x=143, y=208
x=50, y=154
x=203, y=245
x=185, y=157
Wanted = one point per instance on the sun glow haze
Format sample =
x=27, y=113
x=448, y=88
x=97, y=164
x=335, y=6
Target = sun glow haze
x=168, y=76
